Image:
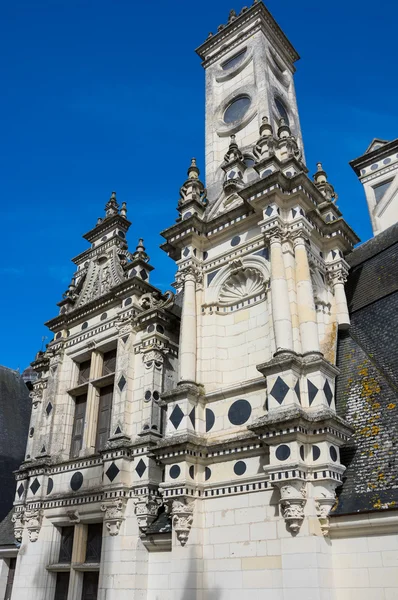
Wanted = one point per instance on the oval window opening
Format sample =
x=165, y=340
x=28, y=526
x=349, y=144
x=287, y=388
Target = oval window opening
x=234, y=60
x=282, y=110
x=237, y=109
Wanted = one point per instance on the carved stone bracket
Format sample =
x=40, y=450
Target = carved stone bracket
x=182, y=518
x=325, y=498
x=33, y=520
x=292, y=502
x=18, y=518
x=73, y=516
x=114, y=515
x=146, y=509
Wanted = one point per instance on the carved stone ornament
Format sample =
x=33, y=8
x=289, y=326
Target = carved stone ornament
x=191, y=272
x=292, y=502
x=33, y=520
x=337, y=276
x=124, y=325
x=241, y=284
x=324, y=501
x=182, y=518
x=113, y=518
x=18, y=519
x=146, y=509
x=73, y=516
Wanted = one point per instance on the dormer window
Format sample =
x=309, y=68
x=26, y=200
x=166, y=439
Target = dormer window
x=380, y=190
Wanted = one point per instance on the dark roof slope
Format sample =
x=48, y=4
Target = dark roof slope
x=367, y=387
x=15, y=406
x=7, y=531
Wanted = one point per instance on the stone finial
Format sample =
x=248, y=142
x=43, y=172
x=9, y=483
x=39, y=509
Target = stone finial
x=232, y=16
x=233, y=151
x=123, y=210
x=265, y=127
x=283, y=129
x=320, y=175
x=193, y=171
x=321, y=182
x=111, y=207
x=140, y=251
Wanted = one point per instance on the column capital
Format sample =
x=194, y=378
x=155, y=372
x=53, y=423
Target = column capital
x=189, y=273
x=275, y=234
x=300, y=231
x=338, y=273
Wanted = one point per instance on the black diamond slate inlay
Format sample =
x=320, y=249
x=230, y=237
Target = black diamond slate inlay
x=76, y=481
x=186, y=252
x=43, y=449
x=312, y=391
x=140, y=468
x=176, y=416
x=20, y=490
x=279, y=390
x=328, y=392
x=269, y=210
x=125, y=338
x=192, y=417
x=34, y=486
x=144, y=274
x=294, y=212
x=210, y=419
x=112, y=471
x=118, y=430
x=122, y=383
x=49, y=408
x=297, y=390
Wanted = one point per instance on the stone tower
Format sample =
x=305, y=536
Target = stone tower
x=377, y=171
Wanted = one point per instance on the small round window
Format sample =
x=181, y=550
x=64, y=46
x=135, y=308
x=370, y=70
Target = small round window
x=282, y=110
x=249, y=161
x=237, y=109
x=235, y=60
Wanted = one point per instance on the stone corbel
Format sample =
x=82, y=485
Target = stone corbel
x=146, y=509
x=73, y=516
x=113, y=518
x=292, y=502
x=33, y=519
x=325, y=498
x=18, y=518
x=182, y=518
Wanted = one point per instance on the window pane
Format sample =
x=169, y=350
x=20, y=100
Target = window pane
x=104, y=416
x=78, y=425
x=109, y=362
x=94, y=543
x=237, y=109
x=65, y=551
x=90, y=586
x=282, y=110
x=235, y=60
x=62, y=585
x=84, y=372
x=381, y=189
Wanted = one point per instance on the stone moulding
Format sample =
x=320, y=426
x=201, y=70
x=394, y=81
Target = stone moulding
x=33, y=519
x=18, y=520
x=292, y=502
x=114, y=515
x=182, y=518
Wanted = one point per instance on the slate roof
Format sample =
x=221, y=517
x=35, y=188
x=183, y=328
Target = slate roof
x=7, y=531
x=367, y=387
x=15, y=407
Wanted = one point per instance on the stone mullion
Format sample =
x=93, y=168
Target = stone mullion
x=64, y=407
x=91, y=418
x=78, y=557
x=124, y=380
x=282, y=318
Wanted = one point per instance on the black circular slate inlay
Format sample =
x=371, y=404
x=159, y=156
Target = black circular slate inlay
x=103, y=316
x=207, y=473
x=128, y=301
x=155, y=395
x=315, y=453
x=235, y=240
x=333, y=453
x=187, y=215
x=76, y=481
x=240, y=467
x=50, y=485
x=31, y=431
x=239, y=412
x=85, y=325
x=192, y=471
x=147, y=395
x=175, y=471
x=210, y=419
x=121, y=234
x=151, y=328
x=302, y=452
x=282, y=452
x=58, y=335
x=205, y=255
x=160, y=328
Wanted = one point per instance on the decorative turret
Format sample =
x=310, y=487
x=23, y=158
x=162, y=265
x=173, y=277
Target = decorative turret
x=233, y=167
x=321, y=182
x=192, y=194
x=139, y=266
x=111, y=207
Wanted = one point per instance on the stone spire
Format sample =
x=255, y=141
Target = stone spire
x=233, y=167
x=111, y=207
x=321, y=182
x=192, y=194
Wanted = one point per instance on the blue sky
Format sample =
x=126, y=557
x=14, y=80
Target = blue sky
x=101, y=95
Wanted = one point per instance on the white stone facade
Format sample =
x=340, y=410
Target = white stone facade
x=213, y=463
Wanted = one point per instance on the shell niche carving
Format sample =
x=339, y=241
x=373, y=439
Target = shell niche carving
x=244, y=283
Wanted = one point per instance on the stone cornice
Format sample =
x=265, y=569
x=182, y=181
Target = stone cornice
x=106, y=224
x=358, y=163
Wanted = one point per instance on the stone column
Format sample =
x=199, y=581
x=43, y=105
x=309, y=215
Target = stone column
x=305, y=299
x=280, y=296
x=91, y=419
x=338, y=280
x=188, y=328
